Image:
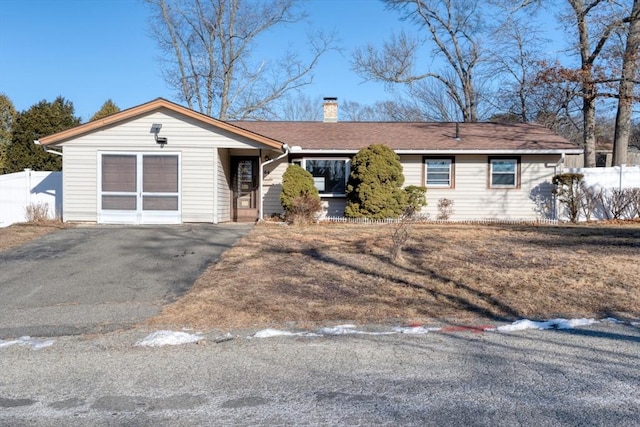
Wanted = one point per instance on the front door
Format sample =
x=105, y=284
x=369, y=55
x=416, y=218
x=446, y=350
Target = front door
x=245, y=188
x=139, y=188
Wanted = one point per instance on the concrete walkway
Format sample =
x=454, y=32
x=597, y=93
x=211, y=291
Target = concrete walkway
x=93, y=279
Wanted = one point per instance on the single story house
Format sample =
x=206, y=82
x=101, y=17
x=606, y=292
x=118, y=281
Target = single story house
x=162, y=163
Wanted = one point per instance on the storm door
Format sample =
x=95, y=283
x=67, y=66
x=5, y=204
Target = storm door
x=245, y=188
x=138, y=188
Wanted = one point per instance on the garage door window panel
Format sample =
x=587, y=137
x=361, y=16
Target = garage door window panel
x=160, y=174
x=119, y=173
x=119, y=176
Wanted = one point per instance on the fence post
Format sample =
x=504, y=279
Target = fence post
x=621, y=168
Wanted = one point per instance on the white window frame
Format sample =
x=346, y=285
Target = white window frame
x=347, y=170
x=450, y=182
x=515, y=173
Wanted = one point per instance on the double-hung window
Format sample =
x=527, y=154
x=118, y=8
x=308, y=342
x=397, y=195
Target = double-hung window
x=439, y=171
x=503, y=172
x=329, y=174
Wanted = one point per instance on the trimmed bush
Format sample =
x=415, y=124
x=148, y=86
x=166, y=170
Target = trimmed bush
x=374, y=186
x=416, y=199
x=299, y=196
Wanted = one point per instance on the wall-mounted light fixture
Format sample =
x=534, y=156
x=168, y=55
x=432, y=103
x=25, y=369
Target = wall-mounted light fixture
x=155, y=129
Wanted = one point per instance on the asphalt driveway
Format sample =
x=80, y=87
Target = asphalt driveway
x=92, y=279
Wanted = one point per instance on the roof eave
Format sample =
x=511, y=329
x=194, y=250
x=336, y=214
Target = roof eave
x=65, y=135
x=450, y=151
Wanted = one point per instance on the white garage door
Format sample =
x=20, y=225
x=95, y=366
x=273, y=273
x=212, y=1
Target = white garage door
x=139, y=188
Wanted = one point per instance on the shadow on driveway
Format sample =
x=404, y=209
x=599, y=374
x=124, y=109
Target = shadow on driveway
x=93, y=279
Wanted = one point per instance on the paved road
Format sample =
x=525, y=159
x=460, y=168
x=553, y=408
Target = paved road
x=588, y=376
x=101, y=278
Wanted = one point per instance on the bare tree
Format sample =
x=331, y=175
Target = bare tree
x=629, y=77
x=453, y=26
x=516, y=57
x=208, y=46
x=594, y=26
x=301, y=108
x=398, y=110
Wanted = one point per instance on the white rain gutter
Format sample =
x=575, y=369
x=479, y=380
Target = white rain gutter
x=37, y=142
x=261, y=177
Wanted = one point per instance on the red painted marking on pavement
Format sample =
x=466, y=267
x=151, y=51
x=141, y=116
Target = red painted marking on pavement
x=463, y=328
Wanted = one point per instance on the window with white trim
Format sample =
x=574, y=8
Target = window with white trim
x=439, y=172
x=329, y=174
x=503, y=173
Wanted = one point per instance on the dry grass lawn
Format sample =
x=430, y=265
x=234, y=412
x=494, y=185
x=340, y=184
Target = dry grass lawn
x=331, y=273
x=19, y=234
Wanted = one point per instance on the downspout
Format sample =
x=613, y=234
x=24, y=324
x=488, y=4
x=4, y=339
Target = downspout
x=216, y=165
x=261, y=172
x=555, y=166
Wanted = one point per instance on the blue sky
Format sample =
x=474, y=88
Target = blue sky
x=91, y=50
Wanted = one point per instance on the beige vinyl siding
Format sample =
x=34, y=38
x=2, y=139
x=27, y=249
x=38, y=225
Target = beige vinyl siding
x=196, y=143
x=412, y=168
x=472, y=197
x=80, y=175
x=197, y=184
x=272, y=187
x=224, y=186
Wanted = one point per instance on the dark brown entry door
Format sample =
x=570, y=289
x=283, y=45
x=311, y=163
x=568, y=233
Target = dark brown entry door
x=245, y=188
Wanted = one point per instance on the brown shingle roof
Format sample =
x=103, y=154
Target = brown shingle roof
x=410, y=136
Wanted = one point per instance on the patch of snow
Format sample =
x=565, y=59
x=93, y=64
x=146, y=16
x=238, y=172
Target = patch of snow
x=635, y=324
x=572, y=323
x=416, y=330
x=613, y=320
x=523, y=324
x=35, y=344
x=269, y=333
x=339, y=330
x=160, y=338
x=349, y=329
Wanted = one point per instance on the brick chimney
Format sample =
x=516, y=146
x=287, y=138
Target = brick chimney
x=330, y=110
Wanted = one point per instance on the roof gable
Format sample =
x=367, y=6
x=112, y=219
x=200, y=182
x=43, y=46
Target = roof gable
x=150, y=107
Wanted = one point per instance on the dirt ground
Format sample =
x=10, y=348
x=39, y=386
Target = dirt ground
x=19, y=234
x=335, y=272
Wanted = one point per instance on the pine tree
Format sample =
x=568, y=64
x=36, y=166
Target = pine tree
x=41, y=119
x=7, y=118
x=107, y=109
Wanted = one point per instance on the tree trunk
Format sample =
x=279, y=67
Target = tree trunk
x=588, y=86
x=625, y=100
x=589, y=129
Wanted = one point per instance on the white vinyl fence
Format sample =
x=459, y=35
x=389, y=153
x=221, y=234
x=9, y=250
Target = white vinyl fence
x=608, y=180
x=615, y=177
x=22, y=189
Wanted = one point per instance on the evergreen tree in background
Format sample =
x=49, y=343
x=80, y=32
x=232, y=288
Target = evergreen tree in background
x=107, y=109
x=7, y=118
x=42, y=119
